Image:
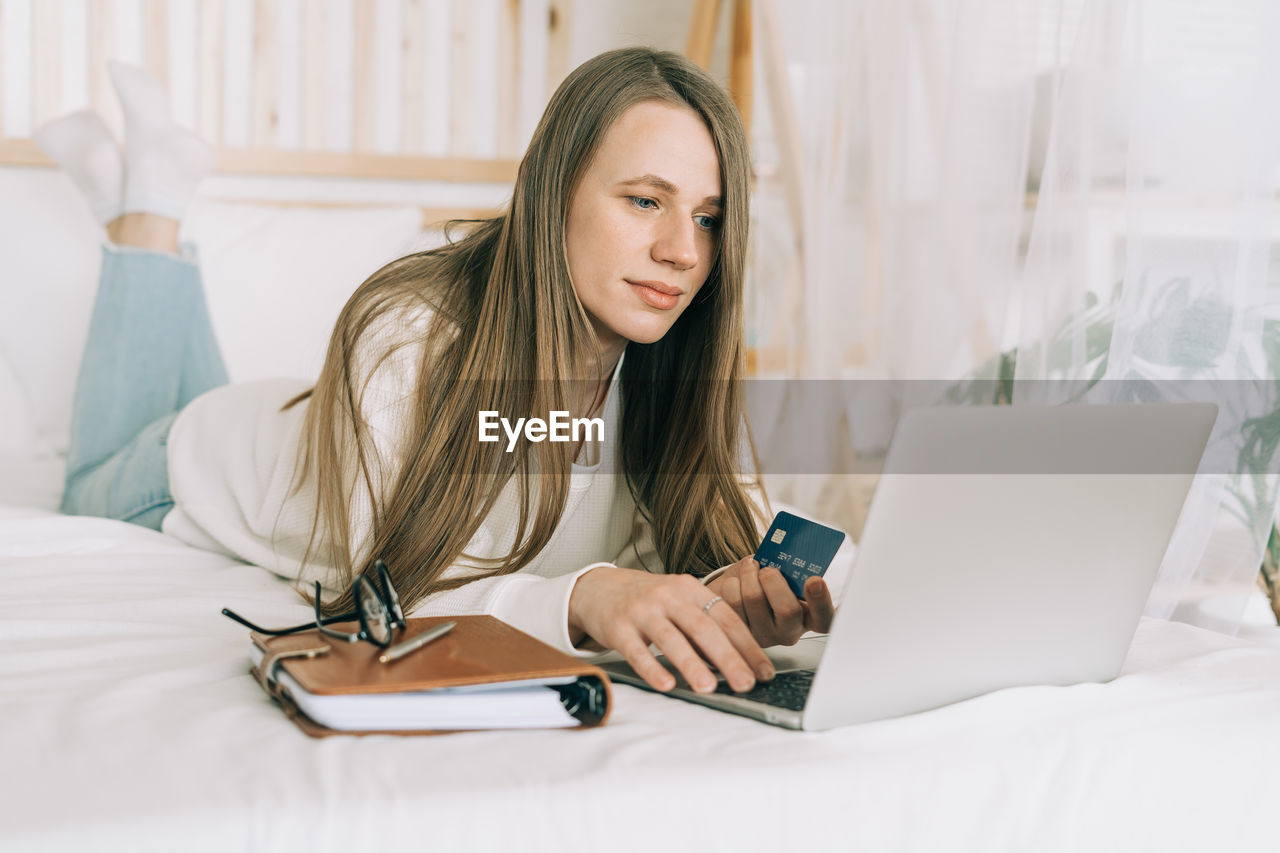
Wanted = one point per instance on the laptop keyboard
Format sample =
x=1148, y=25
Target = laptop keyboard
x=788, y=690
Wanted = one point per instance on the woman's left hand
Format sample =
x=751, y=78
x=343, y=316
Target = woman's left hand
x=763, y=600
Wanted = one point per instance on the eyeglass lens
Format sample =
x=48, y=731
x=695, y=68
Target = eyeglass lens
x=389, y=593
x=374, y=615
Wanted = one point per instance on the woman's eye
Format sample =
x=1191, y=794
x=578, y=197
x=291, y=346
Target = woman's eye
x=707, y=222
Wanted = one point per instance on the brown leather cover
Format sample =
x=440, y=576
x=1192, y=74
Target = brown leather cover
x=479, y=650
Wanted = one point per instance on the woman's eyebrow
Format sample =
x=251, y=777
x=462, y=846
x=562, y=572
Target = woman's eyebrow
x=668, y=187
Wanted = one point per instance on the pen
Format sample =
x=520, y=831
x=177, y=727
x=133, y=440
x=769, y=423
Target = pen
x=401, y=649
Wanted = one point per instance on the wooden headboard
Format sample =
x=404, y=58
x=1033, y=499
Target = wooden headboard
x=425, y=90
x=440, y=90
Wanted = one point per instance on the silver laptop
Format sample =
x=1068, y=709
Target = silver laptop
x=1005, y=546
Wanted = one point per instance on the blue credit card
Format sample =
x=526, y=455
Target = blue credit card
x=799, y=548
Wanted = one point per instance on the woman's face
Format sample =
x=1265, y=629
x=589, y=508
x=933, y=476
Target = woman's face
x=648, y=209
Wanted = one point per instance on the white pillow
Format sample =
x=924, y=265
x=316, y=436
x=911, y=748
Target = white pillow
x=275, y=279
x=16, y=433
x=49, y=258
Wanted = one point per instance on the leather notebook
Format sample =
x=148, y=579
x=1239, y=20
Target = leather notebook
x=482, y=674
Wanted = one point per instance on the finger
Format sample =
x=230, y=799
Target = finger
x=731, y=592
x=707, y=631
x=728, y=642
x=673, y=643
x=819, y=607
x=788, y=615
x=636, y=652
x=755, y=603
x=745, y=643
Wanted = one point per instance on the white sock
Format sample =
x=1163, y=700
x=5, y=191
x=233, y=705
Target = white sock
x=85, y=149
x=164, y=161
x=165, y=171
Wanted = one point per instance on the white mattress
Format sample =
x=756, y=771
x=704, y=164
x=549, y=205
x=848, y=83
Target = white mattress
x=130, y=722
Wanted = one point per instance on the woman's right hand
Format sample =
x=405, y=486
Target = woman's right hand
x=627, y=609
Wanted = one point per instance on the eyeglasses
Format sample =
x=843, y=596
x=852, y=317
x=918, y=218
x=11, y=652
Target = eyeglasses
x=377, y=609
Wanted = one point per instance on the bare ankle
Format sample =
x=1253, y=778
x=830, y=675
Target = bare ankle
x=144, y=231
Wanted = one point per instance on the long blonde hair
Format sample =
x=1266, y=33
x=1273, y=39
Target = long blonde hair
x=506, y=326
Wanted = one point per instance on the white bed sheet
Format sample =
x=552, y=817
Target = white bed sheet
x=130, y=722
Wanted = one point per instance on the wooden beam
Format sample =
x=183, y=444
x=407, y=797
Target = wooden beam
x=741, y=72
x=364, y=113
x=313, y=76
x=702, y=32
x=324, y=164
x=557, y=45
x=462, y=121
x=265, y=116
x=432, y=217
x=155, y=28
x=102, y=46
x=413, y=84
x=436, y=217
x=785, y=121
x=209, y=41
x=359, y=165
x=509, y=39
x=780, y=359
x=46, y=63
x=22, y=152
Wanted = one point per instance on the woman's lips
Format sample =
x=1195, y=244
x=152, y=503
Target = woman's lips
x=655, y=298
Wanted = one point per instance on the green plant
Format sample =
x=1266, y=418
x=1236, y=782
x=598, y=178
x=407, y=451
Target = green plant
x=1183, y=331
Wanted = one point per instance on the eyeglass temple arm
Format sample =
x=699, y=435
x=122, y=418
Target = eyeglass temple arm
x=337, y=635
x=277, y=632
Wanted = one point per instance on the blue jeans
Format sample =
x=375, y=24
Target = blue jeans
x=150, y=351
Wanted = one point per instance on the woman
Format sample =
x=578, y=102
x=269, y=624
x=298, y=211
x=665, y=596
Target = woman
x=611, y=288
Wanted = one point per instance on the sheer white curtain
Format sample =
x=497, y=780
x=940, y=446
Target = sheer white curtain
x=891, y=149
x=892, y=152
x=1148, y=262
x=1087, y=186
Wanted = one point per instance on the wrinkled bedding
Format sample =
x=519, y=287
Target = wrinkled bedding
x=130, y=722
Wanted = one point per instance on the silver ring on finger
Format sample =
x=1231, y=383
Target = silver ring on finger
x=706, y=608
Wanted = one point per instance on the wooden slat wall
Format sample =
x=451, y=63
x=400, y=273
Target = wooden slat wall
x=413, y=67
x=508, y=77
x=156, y=38
x=317, y=153
x=102, y=38
x=265, y=85
x=46, y=61
x=462, y=125
x=210, y=34
x=313, y=89
x=558, y=45
x=366, y=92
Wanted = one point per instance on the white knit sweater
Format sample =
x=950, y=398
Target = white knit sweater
x=232, y=456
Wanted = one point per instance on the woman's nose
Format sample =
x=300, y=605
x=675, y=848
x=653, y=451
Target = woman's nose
x=677, y=244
